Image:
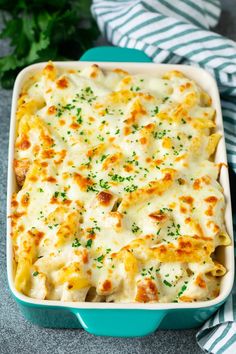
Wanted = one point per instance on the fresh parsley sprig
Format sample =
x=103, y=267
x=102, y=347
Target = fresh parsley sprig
x=42, y=30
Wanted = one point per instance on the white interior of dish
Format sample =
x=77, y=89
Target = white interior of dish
x=224, y=254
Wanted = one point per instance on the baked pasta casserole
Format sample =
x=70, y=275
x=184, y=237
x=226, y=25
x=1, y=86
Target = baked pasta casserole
x=118, y=197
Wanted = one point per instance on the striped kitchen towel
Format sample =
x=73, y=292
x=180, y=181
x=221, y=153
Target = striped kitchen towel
x=177, y=31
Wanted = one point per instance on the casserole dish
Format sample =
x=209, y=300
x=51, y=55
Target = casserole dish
x=117, y=319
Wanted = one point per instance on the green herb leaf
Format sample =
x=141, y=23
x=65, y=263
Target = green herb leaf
x=167, y=283
x=89, y=243
x=76, y=243
x=36, y=32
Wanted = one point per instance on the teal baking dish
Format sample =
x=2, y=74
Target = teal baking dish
x=115, y=319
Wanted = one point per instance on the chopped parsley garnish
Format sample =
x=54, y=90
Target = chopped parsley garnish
x=137, y=88
x=76, y=243
x=99, y=137
x=104, y=157
x=56, y=194
x=86, y=94
x=184, y=287
x=79, y=118
x=92, y=188
x=156, y=110
x=162, y=210
x=100, y=258
x=35, y=274
x=167, y=283
x=159, y=135
x=135, y=228
x=173, y=230
x=89, y=243
x=135, y=128
x=104, y=184
x=118, y=178
x=131, y=188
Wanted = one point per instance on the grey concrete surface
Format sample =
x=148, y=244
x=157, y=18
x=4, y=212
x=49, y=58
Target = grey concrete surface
x=19, y=336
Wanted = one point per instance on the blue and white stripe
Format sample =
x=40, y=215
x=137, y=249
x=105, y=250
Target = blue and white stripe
x=177, y=31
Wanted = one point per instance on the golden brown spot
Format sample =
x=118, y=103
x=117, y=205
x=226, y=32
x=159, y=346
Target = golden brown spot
x=143, y=140
x=158, y=162
x=62, y=83
x=106, y=286
x=33, y=178
x=188, y=220
x=128, y=168
x=120, y=71
x=127, y=80
x=184, y=244
x=183, y=210
x=186, y=298
x=146, y=291
x=50, y=179
x=82, y=181
x=17, y=215
x=24, y=144
x=47, y=140
x=36, y=149
x=139, y=110
x=14, y=203
x=49, y=67
x=62, y=155
x=211, y=199
x=179, y=158
x=93, y=74
x=166, y=143
x=158, y=216
x=187, y=199
x=21, y=168
x=167, y=177
x=52, y=110
x=197, y=184
x=21, y=228
x=85, y=256
x=200, y=282
x=206, y=180
x=48, y=154
x=62, y=122
x=37, y=235
x=213, y=226
x=127, y=131
x=74, y=125
x=25, y=200
x=104, y=198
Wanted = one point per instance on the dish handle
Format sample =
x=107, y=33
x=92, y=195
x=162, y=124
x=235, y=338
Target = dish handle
x=115, y=54
x=119, y=323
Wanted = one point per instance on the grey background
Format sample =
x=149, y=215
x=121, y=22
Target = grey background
x=19, y=336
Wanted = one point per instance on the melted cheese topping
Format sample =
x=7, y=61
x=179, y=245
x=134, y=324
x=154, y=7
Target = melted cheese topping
x=119, y=199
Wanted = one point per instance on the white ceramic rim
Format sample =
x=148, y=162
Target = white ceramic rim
x=208, y=83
